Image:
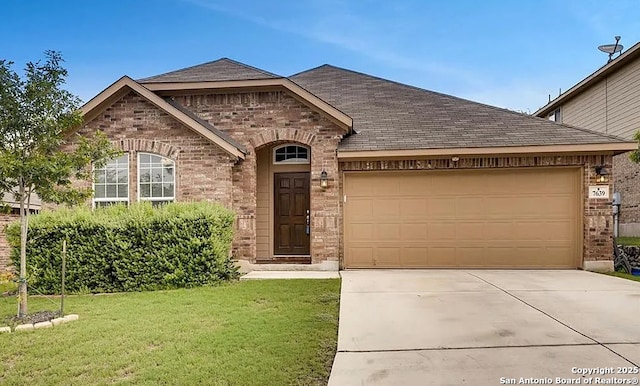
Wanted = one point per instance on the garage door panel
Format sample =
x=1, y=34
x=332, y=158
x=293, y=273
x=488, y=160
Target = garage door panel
x=387, y=257
x=361, y=256
x=413, y=207
x=362, y=208
x=388, y=232
x=386, y=208
x=470, y=231
x=414, y=232
x=441, y=231
x=441, y=208
x=441, y=257
x=508, y=218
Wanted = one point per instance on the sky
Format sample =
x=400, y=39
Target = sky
x=508, y=53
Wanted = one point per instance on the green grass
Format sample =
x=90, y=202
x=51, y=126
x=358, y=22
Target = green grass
x=269, y=332
x=624, y=275
x=628, y=240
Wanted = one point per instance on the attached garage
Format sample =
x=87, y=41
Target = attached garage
x=508, y=218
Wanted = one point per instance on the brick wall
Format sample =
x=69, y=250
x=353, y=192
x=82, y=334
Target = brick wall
x=258, y=119
x=597, y=232
x=203, y=170
x=627, y=181
x=5, y=219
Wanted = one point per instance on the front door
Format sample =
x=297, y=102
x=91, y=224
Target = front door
x=291, y=210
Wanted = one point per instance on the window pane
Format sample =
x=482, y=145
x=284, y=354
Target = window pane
x=111, y=176
x=123, y=176
x=156, y=159
x=167, y=175
x=302, y=152
x=145, y=190
x=156, y=175
x=99, y=191
x=280, y=157
x=167, y=190
x=145, y=158
x=111, y=191
x=123, y=159
x=145, y=175
x=100, y=177
x=123, y=191
x=156, y=190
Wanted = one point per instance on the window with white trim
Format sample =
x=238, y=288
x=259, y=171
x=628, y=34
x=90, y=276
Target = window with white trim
x=111, y=182
x=291, y=154
x=156, y=178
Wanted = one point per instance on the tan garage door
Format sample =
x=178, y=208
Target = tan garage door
x=515, y=218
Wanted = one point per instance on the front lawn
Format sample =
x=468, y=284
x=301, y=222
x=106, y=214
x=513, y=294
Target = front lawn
x=628, y=240
x=624, y=275
x=267, y=332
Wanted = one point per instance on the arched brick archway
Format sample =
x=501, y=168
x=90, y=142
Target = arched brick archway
x=270, y=136
x=148, y=146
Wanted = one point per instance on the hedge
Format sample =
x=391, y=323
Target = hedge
x=133, y=248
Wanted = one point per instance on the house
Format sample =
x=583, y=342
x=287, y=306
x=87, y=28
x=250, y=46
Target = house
x=11, y=213
x=608, y=101
x=332, y=168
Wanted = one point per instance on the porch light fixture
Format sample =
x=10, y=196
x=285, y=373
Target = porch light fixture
x=324, y=179
x=601, y=173
x=455, y=158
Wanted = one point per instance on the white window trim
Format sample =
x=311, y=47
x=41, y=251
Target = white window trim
x=292, y=161
x=175, y=179
x=111, y=199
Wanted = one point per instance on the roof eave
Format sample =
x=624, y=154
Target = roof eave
x=605, y=70
x=606, y=148
x=125, y=84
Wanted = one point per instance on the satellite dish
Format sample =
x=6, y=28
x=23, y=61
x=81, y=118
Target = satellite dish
x=612, y=48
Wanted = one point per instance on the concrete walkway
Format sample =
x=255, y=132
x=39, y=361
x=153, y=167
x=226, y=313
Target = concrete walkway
x=253, y=275
x=443, y=327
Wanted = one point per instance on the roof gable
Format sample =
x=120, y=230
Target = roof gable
x=219, y=70
x=125, y=84
x=394, y=116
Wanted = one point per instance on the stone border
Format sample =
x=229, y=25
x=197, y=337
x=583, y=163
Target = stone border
x=41, y=325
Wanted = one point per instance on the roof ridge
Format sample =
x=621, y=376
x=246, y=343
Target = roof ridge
x=311, y=69
x=223, y=59
x=453, y=97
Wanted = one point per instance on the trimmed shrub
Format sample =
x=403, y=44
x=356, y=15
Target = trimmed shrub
x=133, y=248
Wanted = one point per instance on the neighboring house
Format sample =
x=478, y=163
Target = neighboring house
x=332, y=168
x=608, y=101
x=6, y=217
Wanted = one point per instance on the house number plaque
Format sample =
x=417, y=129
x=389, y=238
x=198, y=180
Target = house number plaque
x=599, y=191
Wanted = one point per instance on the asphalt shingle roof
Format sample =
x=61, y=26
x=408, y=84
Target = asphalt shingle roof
x=218, y=70
x=394, y=116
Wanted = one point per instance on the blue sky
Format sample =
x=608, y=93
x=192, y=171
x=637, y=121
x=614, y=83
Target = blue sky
x=506, y=53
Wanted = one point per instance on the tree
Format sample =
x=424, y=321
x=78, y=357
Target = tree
x=635, y=155
x=39, y=154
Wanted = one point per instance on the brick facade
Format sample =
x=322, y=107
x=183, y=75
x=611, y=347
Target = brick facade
x=206, y=172
x=597, y=243
x=260, y=119
x=626, y=175
x=5, y=219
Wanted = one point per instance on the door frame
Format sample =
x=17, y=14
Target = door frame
x=288, y=258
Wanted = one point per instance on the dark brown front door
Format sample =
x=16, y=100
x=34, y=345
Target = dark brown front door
x=291, y=208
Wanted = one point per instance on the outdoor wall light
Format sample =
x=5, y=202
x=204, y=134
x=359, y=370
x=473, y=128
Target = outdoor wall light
x=601, y=173
x=324, y=179
x=455, y=159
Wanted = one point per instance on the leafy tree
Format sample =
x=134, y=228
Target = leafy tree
x=39, y=154
x=635, y=155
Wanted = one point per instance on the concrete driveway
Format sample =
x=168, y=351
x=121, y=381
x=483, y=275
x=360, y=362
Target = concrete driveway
x=481, y=327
